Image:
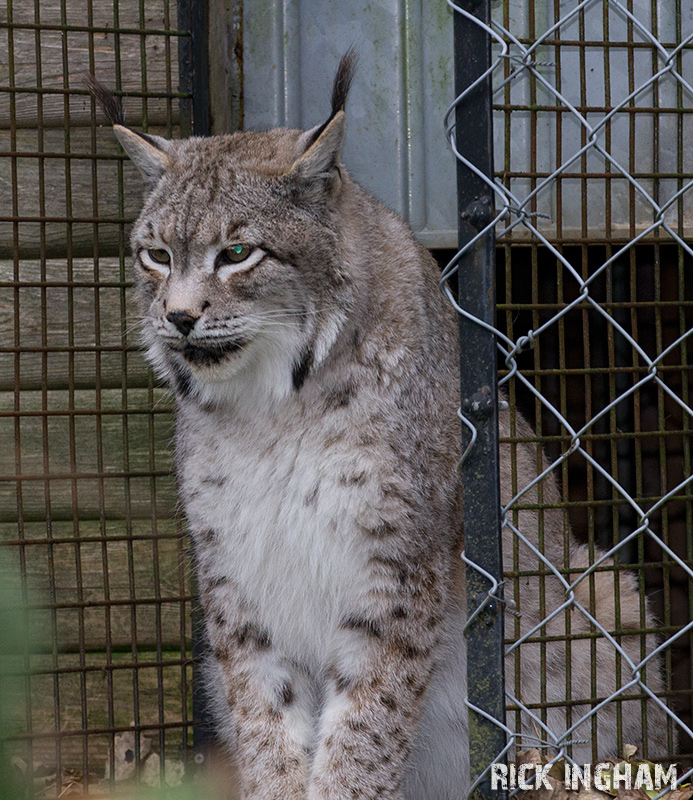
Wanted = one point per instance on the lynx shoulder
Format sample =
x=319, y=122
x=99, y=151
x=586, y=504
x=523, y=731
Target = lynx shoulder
x=314, y=365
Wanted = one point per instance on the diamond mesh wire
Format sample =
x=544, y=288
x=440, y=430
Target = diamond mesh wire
x=593, y=172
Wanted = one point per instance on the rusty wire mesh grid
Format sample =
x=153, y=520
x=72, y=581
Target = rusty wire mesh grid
x=593, y=198
x=86, y=494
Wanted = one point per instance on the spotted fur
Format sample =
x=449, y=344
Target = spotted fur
x=317, y=441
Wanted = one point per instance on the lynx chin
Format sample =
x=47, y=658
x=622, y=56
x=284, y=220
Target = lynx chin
x=314, y=364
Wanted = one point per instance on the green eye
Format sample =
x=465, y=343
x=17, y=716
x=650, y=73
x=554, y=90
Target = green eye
x=159, y=255
x=235, y=254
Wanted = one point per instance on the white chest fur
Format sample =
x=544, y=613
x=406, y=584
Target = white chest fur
x=287, y=507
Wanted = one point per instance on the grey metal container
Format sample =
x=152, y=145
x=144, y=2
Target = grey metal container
x=396, y=145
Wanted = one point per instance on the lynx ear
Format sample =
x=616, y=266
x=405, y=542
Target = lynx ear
x=319, y=150
x=147, y=152
x=319, y=164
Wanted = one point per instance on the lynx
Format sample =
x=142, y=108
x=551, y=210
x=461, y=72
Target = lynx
x=314, y=365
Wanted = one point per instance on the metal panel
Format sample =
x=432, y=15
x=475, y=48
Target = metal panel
x=89, y=545
x=598, y=95
x=395, y=145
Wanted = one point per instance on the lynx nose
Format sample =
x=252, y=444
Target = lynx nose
x=183, y=320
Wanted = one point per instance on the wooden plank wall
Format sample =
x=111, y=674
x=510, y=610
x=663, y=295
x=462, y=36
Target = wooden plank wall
x=92, y=523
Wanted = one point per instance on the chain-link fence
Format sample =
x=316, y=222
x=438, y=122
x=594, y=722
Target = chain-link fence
x=593, y=202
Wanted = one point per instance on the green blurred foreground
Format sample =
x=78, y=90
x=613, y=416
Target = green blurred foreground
x=15, y=637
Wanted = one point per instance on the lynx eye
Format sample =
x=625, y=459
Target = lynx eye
x=159, y=255
x=234, y=254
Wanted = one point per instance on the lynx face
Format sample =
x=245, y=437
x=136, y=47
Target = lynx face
x=235, y=258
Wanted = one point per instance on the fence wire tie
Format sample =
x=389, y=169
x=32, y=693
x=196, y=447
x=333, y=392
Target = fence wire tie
x=503, y=405
x=491, y=599
x=546, y=745
x=523, y=62
x=522, y=213
x=524, y=342
x=468, y=448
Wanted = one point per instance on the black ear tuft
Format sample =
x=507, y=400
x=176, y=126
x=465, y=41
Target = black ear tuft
x=342, y=80
x=105, y=98
x=340, y=90
x=150, y=154
x=319, y=150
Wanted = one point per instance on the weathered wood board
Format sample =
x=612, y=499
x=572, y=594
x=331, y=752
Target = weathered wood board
x=91, y=583
x=62, y=203
x=110, y=692
x=130, y=45
x=104, y=13
x=74, y=329
x=90, y=586
x=53, y=202
x=86, y=465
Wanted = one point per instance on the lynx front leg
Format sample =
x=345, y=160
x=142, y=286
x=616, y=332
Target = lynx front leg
x=269, y=729
x=381, y=671
x=263, y=709
x=367, y=732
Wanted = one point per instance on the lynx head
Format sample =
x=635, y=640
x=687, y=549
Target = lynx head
x=236, y=252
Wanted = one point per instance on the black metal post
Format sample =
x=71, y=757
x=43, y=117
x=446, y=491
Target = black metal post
x=479, y=384
x=193, y=66
x=193, y=62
